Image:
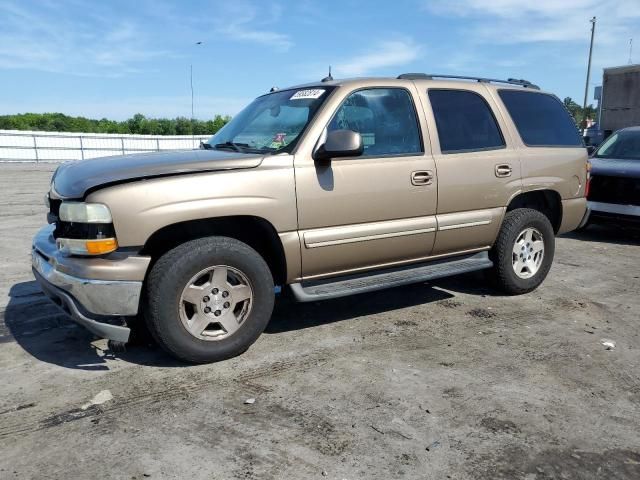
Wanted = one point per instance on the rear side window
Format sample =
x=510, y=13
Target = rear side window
x=541, y=119
x=464, y=121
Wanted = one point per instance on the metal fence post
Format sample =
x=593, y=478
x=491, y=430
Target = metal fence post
x=157, y=144
x=81, y=148
x=122, y=142
x=35, y=147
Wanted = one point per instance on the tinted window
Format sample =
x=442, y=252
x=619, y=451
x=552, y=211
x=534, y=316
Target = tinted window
x=386, y=119
x=541, y=119
x=464, y=121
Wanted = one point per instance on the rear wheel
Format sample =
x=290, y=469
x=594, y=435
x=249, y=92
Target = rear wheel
x=524, y=251
x=209, y=299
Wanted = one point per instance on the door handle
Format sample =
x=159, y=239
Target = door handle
x=503, y=170
x=422, y=177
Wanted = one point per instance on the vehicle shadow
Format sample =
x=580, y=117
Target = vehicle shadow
x=607, y=233
x=48, y=334
x=44, y=331
x=289, y=315
x=473, y=283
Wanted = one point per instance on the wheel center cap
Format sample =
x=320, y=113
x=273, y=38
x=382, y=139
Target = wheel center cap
x=218, y=301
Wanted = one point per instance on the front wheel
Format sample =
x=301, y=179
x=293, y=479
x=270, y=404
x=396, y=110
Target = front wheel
x=209, y=299
x=523, y=253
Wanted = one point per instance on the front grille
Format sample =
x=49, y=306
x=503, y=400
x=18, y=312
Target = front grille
x=54, y=206
x=619, y=190
x=54, y=210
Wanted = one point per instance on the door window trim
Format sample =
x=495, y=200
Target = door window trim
x=388, y=155
x=466, y=150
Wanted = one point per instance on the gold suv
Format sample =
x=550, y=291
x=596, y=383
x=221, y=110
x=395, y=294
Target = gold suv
x=332, y=189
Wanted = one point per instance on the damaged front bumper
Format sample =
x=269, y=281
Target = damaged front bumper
x=98, y=293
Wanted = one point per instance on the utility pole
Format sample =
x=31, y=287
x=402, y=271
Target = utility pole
x=191, y=82
x=193, y=135
x=586, y=87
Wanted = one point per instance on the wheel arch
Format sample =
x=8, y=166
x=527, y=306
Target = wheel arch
x=546, y=201
x=256, y=232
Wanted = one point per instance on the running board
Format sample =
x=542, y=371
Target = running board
x=370, y=281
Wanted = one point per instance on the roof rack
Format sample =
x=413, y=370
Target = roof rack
x=431, y=76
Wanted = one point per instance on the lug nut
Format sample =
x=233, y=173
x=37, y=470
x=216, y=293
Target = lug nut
x=226, y=305
x=215, y=291
x=205, y=299
x=217, y=313
x=207, y=310
x=225, y=294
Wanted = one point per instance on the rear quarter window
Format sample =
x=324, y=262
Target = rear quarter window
x=541, y=119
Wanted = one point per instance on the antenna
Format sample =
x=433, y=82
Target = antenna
x=328, y=78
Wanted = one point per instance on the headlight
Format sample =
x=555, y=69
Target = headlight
x=80, y=212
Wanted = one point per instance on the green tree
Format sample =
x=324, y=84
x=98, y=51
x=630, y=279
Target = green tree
x=138, y=124
x=578, y=113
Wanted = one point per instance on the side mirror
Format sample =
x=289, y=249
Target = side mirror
x=340, y=143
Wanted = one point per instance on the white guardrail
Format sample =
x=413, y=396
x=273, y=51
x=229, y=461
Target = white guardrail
x=28, y=146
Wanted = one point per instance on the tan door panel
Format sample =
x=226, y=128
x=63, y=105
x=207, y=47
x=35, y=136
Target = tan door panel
x=467, y=230
x=473, y=186
x=351, y=213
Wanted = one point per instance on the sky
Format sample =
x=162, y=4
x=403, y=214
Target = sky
x=116, y=58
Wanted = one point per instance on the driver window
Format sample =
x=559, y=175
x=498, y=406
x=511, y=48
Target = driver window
x=384, y=117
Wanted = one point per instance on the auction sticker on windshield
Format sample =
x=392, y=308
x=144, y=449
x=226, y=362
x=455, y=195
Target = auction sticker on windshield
x=305, y=94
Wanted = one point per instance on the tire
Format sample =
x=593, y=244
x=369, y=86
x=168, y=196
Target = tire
x=180, y=289
x=533, y=268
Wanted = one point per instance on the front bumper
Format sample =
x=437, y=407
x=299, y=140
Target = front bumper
x=108, y=289
x=614, y=209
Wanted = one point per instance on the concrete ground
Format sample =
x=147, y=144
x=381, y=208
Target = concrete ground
x=446, y=380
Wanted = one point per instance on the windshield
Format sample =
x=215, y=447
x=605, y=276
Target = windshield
x=623, y=145
x=271, y=123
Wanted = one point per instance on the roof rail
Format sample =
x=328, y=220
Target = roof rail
x=431, y=76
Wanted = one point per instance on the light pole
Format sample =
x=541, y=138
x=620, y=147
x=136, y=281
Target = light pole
x=193, y=134
x=191, y=83
x=586, y=87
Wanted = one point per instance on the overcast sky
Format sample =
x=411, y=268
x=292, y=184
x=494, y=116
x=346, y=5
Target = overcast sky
x=116, y=58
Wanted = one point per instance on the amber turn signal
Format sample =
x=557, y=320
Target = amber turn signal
x=99, y=247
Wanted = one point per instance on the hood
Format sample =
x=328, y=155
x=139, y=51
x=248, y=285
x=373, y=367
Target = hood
x=613, y=167
x=74, y=179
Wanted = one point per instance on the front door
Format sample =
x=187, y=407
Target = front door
x=374, y=210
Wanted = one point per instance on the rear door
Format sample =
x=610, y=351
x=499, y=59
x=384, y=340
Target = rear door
x=478, y=168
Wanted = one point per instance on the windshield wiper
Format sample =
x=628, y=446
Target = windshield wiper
x=234, y=146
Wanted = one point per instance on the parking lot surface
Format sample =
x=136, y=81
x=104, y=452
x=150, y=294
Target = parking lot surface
x=440, y=380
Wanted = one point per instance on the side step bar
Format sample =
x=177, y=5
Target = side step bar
x=370, y=281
